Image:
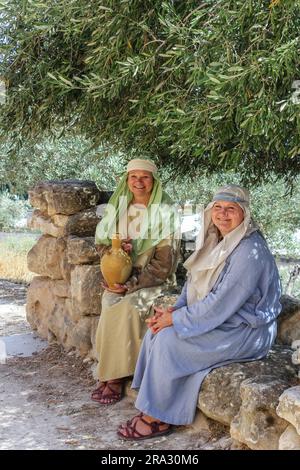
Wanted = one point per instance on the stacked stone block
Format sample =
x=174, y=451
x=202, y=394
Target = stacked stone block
x=64, y=299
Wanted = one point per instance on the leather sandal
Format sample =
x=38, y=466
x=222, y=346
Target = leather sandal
x=97, y=393
x=129, y=431
x=114, y=396
x=130, y=421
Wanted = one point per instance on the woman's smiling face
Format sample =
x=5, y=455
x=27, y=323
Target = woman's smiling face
x=140, y=182
x=227, y=216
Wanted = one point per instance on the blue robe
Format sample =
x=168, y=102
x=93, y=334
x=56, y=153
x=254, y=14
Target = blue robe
x=235, y=322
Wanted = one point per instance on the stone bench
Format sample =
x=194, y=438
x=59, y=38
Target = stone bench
x=246, y=396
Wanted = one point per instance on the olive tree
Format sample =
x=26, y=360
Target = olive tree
x=207, y=85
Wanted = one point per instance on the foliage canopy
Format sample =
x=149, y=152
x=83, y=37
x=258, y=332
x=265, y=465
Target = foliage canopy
x=194, y=84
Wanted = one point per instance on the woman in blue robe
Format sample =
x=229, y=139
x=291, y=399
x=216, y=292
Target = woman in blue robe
x=226, y=313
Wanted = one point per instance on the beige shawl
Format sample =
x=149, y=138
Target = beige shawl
x=206, y=263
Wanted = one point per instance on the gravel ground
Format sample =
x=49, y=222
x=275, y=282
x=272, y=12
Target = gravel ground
x=45, y=399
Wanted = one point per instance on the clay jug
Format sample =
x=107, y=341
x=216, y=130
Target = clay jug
x=116, y=264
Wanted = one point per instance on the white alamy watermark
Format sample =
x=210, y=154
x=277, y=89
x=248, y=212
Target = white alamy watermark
x=159, y=221
x=3, y=354
x=2, y=91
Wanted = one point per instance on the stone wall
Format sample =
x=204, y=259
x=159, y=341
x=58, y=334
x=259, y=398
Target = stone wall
x=259, y=401
x=64, y=300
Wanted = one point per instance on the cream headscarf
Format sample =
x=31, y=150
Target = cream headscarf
x=207, y=262
x=141, y=164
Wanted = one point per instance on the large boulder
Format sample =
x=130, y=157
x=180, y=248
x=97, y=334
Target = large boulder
x=82, y=223
x=38, y=199
x=289, y=439
x=45, y=311
x=79, y=336
x=289, y=320
x=46, y=257
x=61, y=288
x=257, y=425
x=50, y=313
x=289, y=406
x=44, y=223
x=82, y=250
x=66, y=267
x=219, y=396
x=86, y=290
x=64, y=197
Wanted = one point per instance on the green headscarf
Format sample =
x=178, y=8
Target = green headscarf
x=161, y=220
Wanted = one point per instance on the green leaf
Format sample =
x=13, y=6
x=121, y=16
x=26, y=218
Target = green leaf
x=51, y=76
x=214, y=79
x=63, y=79
x=235, y=68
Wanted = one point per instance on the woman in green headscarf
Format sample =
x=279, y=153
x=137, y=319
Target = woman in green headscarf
x=143, y=214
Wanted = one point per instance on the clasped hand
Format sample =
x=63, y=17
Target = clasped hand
x=161, y=319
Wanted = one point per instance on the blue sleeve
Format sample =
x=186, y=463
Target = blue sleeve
x=237, y=285
x=182, y=299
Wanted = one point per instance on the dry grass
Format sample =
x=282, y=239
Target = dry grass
x=13, y=258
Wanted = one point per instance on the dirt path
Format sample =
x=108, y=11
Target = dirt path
x=45, y=399
x=12, y=309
